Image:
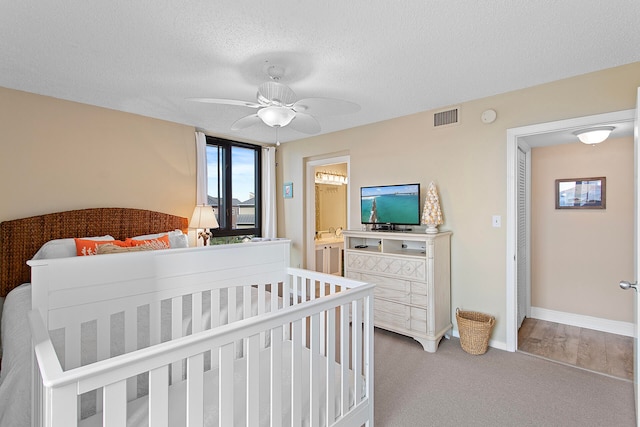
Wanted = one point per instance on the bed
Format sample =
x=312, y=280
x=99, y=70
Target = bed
x=222, y=335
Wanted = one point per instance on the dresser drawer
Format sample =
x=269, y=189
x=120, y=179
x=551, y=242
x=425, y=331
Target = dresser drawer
x=391, y=289
x=403, y=267
x=418, y=321
x=390, y=314
x=420, y=300
x=419, y=288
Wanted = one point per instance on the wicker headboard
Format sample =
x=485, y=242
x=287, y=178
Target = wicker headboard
x=20, y=239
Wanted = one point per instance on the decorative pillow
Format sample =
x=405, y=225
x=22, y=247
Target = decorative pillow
x=177, y=239
x=114, y=249
x=161, y=242
x=63, y=248
x=86, y=247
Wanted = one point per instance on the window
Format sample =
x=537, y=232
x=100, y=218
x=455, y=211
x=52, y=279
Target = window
x=234, y=183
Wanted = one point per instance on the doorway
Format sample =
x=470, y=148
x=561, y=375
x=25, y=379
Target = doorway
x=327, y=212
x=534, y=135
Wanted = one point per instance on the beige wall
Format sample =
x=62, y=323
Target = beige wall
x=57, y=155
x=579, y=256
x=468, y=164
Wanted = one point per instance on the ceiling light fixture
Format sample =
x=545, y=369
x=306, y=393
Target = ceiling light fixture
x=594, y=135
x=331, y=178
x=276, y=116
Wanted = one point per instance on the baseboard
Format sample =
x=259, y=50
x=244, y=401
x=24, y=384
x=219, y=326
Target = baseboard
x=589, y=322
x=500, y=345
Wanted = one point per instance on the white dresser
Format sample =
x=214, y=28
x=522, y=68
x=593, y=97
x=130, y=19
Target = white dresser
x=412, y=275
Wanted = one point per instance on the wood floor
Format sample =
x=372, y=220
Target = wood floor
x=597, y=351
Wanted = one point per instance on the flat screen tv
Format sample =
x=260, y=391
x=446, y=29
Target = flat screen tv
x=390, y=204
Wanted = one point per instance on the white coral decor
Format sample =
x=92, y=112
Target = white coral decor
x=432, y=214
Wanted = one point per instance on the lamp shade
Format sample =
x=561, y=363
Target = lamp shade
x=203, y=217
x=594, y=135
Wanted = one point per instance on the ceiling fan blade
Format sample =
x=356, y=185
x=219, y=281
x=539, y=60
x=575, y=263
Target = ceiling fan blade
x=305, y=123
x=325, y=106
x=226, y=102
x=245, y=122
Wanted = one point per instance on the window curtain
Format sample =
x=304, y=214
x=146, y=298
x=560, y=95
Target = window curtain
x=269, y=192
x=201, y=169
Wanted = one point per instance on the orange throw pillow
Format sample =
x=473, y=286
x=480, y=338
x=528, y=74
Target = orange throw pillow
x=161, y=242
x=85, y=247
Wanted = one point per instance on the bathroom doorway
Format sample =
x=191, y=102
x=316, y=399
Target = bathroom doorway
x=327, y=213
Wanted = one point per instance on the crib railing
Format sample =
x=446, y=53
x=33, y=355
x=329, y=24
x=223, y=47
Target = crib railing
x=330, y=316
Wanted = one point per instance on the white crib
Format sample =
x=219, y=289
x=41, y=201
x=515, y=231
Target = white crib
x=224, y=335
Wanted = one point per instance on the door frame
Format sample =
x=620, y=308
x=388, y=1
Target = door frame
x=310, y=202
x=513, y=139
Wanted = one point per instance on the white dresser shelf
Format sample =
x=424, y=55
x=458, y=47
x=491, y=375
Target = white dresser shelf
x=412, y=274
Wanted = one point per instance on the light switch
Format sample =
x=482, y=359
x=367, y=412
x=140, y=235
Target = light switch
x=496, y=221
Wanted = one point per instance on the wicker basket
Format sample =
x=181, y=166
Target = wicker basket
x=475, y=330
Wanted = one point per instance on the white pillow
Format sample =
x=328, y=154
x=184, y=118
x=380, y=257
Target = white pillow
x=63, y=248
x=177, y=239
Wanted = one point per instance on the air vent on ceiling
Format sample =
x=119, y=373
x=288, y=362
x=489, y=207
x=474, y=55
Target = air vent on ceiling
x=447, y=117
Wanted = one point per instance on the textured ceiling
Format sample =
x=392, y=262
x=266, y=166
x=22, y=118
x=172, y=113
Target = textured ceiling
x=392, y=58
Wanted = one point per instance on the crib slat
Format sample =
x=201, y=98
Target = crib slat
x=331, y=368
x=246, y=302
x=253, y=381
x=176, y=332
x=276, y=376
x=296, y=374
x=225, y=386
x=286, y=301
x=323, y=317
x=368, y=352
x=344, y=358
x=103, y=336
x=196, y=312
x=356, y=331
x=314, y=378
x=275, y=296
x=215, y=308
x=72, y=346
x=286, y=294
x=159, y=397
x=261, y=296
x=130, y=344
x=115, y=405
x=155, y=322
x=195, y=391
x=232, y=305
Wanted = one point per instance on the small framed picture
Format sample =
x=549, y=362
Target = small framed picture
x=287, y=190
x=581, y=193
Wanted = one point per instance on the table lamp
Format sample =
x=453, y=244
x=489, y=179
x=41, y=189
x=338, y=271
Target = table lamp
x=205, y=219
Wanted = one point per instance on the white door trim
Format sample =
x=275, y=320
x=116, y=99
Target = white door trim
x=513, y=135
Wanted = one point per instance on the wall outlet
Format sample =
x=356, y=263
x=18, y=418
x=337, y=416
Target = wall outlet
x=496, y=221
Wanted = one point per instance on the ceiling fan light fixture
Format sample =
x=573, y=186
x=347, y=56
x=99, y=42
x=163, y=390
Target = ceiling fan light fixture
x=273, y=92
x=276, y=116
x=594, y=135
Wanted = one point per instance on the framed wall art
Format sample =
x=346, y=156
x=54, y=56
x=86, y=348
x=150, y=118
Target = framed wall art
x=581, y=193
x=287, y=190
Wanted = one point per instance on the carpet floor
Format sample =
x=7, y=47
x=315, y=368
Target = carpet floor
x=498, y=388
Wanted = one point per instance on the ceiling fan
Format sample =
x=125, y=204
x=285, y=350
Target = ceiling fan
x=278, y=106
